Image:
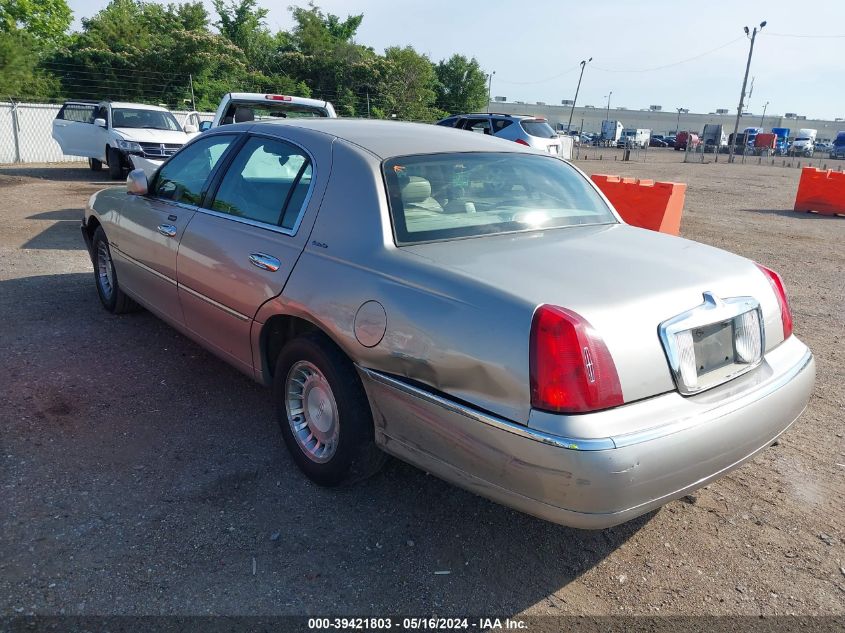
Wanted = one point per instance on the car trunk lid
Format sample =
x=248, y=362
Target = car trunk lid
x=624, y=280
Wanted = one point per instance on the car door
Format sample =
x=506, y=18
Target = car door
x=479, y=125
x=72, y=125
x=150, y=227
x=242, y=245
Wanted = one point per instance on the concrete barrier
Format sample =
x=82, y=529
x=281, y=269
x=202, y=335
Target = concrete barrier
x=822, y=191
x=651, y=205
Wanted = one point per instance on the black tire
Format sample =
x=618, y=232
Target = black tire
x=114, y=161
x=105, y=277
x=355, y=455
x=94, y=164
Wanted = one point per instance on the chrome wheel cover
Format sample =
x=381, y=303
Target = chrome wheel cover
x=105, y=274
x=312, y=411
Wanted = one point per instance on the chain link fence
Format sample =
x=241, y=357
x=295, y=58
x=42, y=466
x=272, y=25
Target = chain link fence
x=26, y=133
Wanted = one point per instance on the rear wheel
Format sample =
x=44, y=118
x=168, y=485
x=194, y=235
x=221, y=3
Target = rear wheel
x=94, y=164
x=115, y=168
x=111, y=296
x=323, y=412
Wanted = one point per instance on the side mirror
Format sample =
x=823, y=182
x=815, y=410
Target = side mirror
x=190, y=128
x=205, y=125
x=136, y=183
x=100, y=122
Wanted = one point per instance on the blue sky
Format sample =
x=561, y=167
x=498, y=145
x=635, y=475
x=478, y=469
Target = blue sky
x=534, y=48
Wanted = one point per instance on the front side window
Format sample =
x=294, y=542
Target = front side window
x=182, y=178
x=267, y=182
x=500, y=124
x=144, y=119
x=480, y=126
x=449, y=196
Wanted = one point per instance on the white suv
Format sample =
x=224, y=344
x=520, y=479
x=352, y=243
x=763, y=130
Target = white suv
x=526, y=130
x=121, y=135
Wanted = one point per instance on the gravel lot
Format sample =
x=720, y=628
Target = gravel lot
x=141, y=475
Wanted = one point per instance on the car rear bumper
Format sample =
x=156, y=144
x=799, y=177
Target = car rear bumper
x=596, y=482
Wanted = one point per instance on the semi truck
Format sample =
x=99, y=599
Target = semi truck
x=804, y=142
x=634, y=137
x=765, y=143
x=782, y=144
x=611, y=131
x=714, y=138
x=682, y=138
x=750, y=134
x=838, y=149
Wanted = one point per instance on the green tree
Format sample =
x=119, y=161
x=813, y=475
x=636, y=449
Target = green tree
x=45, y=20
x=20, y=77
x=462, y=85
x=408, y=90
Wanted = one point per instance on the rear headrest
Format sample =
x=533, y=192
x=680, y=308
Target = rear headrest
x=417, y=190
x=243, y=114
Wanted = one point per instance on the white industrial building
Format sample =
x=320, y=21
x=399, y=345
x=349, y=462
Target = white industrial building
x=661, y=121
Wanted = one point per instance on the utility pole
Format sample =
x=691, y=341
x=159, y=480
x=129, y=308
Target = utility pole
x=764, y=113
x=575, y=100
x=607, y=112
x=678, y=123
x=490, y=89
x=752, y=37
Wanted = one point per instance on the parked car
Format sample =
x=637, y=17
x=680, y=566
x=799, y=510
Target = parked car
x=837, y=149
x=120, y=135
x=406, y=288
x=526, y=130
x=670, y=141
x=242, y=107
x=657, y=142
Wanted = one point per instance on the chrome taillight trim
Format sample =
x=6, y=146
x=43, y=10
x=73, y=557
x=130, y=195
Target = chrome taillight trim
x=712, y=310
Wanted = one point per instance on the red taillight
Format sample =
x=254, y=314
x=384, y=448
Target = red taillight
x=277, y=97
x=521, y=142
x=783, y=300
x=571, y=368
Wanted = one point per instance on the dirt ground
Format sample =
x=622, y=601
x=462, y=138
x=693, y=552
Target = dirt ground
x=141, y=475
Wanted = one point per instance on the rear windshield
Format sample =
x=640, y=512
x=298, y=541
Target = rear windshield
x=240, y=112
x=538, y=128
x=449, y=196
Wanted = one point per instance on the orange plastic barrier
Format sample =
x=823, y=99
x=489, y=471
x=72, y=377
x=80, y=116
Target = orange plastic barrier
x=651, y=205
x=821, y=190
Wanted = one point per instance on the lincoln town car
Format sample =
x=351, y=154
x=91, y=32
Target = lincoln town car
x=466, y=304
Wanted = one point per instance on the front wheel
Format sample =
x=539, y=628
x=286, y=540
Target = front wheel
x=323, y=412
x=111, y=296
x=115, y=167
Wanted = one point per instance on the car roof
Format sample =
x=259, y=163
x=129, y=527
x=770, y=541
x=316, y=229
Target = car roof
x=387, y=139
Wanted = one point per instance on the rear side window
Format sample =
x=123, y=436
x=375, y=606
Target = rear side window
x=500, y=124
x=182, y=178
x=540, y=129
x=268, y=182
x=450, y=122
x=77, y=112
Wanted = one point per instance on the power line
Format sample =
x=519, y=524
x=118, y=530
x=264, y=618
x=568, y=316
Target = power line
x=678, y=63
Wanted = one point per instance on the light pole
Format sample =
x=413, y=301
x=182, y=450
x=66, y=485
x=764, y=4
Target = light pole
x=678, y=123
x=607, y=112
x=764, y=113
x=584, y=62
x=751, y=36
x=490, y=89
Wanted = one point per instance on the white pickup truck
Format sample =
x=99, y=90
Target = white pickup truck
x=121, y=135
x=241, y=107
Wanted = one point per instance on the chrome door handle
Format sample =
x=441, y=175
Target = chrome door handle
x=168, y=230
x=265, y=262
